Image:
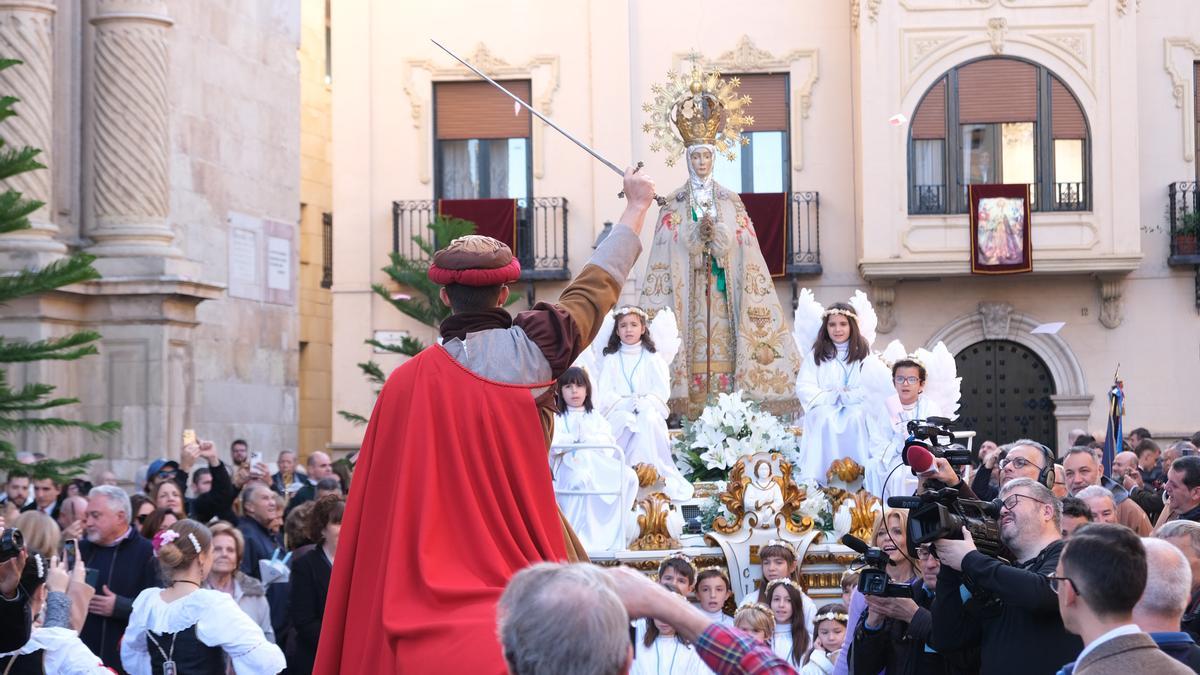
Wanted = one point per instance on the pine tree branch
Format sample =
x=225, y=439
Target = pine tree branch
x=409, y=346
x=15, y=210
x=58, y=470
x=19, y=160
x=75, y=269
x=353, y=418
x=20, y=352
x=56, y=424
x=373, y=373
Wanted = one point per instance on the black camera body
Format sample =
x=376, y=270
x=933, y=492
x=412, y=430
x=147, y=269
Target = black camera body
x=935, y=437
x=940, y=514
x=873, y=578
x=11, y=544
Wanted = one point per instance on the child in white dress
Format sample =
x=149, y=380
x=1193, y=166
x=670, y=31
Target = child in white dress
x=660, y=651
x=779, y=562
x=829, y=632
x=791, y=638
x=596, y=519
x=712, y=592
x=757, y=621
x=632, y=391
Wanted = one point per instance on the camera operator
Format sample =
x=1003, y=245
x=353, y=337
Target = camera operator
x=1010, y=611
x=894, y=633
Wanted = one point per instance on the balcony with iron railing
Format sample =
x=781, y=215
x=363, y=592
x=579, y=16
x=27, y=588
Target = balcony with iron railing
x=1183, y=217
x=933, y=199
x=541, y=235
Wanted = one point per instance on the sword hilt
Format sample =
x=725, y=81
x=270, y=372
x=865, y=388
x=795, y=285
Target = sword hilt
x=661, y=201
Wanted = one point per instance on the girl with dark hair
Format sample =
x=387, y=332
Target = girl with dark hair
x=584, y=458
x=842, y=388
x=829, y=632
x=310, y=582
x=661, y=650
x=632, y=390
x=791, y=639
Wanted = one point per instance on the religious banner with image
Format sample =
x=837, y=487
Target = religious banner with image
x=1000, y=234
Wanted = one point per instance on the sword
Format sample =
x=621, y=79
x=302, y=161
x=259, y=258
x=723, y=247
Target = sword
x=661, y=201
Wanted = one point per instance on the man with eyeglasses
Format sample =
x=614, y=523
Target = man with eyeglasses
x=1021, y=459
x=1099, y=578
x=894, y=633
x=1082, y=471
x=1009, y=611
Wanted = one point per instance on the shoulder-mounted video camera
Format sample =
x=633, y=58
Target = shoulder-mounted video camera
x=941, y=514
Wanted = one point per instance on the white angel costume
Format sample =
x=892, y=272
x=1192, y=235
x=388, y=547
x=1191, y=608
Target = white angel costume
x=845, y=409
x=820, y=662
x=667, y=655
x=210, y=617
x=596, y=519
x=781, y=644
x=939, y=399
x=632, y=387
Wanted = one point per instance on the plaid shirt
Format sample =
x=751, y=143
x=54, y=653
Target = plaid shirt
x=732, y=652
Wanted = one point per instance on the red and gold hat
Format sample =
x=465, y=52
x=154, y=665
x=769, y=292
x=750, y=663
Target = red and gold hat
x=475, y=260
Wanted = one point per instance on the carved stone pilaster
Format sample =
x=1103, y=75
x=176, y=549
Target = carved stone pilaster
x=130, y=150
x=27, y=33
x=1112, y=307
x=883, y=297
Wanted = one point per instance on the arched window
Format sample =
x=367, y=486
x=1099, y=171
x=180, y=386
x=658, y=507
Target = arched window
x=998, y=120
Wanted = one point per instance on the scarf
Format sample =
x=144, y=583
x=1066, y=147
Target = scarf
x=459, y=325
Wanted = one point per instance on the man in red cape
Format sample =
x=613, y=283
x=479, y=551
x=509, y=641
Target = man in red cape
x=452, y=489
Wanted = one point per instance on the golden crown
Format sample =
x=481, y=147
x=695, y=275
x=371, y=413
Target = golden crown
x=697, y=108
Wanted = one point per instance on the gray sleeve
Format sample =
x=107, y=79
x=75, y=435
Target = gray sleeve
x=618, y=252
x=58, y=610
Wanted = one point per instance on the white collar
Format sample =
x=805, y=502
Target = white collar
x=1127, y=629
x=635, y=348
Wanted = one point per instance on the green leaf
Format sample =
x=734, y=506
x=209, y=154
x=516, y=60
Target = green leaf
x=353, y=418
x=57, y=274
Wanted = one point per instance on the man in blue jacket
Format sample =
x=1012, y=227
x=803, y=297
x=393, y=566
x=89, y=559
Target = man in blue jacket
x=122, y=563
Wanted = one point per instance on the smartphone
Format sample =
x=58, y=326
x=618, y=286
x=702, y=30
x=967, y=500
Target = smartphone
x=69, y=552
x=189, y=437
x=92, y=578
x=256, y=458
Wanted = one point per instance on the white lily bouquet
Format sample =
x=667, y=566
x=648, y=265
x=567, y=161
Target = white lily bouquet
x=729, y=428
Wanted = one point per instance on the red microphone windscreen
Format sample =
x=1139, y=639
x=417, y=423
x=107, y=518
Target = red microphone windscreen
x=917, y=457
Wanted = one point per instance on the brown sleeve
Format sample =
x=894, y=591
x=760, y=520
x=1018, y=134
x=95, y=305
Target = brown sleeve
x=564, y=329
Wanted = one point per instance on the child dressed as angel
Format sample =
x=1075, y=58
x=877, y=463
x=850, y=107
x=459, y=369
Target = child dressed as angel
x=632, y=390
x=842, y=387
x=927, y=385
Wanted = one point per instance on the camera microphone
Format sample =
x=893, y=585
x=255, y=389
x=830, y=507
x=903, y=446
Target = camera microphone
x=858, y=545
x=904, y=503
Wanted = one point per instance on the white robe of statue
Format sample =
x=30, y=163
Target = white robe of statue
x=632, y=392
x=844, y=411
x=596, y=519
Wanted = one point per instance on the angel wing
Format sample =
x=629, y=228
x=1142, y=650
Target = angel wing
x=664, y=330
x=894, y=352
x=943, y=386
x=592, y=357
x=867, y=319
x=806, y=321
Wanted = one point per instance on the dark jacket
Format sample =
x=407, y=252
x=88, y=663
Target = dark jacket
x=310, y=587
x=981, y=484
x=304, y=494
x=260, y=544
x=1149, y=499
x=1191, y=618
x=217, y=502
x=1179, y=646
x=1011, y=614
x=902, y=648
x=15, y=621
x=127, y=568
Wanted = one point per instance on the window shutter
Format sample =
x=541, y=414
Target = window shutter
x=768, y=100
x=930, y=120
x=479, y=110
x=997, y=90
x=1066, y=113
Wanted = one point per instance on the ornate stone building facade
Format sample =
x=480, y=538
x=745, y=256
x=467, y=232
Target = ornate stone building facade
x=886, y=113
x=171, y=130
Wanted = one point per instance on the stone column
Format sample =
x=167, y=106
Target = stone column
x=27, y=33
x=130, y=138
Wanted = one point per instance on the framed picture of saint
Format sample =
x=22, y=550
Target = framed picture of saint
x=1000, y=241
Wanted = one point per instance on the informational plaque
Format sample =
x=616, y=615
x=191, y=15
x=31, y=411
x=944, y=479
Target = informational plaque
x=262, y=259
x=279, y=264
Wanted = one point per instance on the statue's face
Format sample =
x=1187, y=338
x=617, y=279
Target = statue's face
x=702, y=162
x=762, y=471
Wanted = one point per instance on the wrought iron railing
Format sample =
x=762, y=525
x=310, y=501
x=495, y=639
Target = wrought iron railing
x=804, y=234
x=1183, y=214
x=326, y=250
x=934, y=200
x=541, y=243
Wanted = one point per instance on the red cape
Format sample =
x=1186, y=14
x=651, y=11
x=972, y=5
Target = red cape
x=452, y=496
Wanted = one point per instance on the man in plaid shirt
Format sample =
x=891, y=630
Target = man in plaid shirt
x=549, y=598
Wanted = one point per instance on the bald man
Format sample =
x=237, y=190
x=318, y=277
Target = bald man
x=70, y=517
x=1125, y=470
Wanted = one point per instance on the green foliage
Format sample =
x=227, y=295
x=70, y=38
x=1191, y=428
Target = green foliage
x=421, y=299
x=1189, y=224
x=21, y=407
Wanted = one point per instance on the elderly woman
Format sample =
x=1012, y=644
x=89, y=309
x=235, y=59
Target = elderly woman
x=310, y=582
x=248, y=592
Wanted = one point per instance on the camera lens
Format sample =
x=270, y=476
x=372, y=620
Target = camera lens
x=11, y=544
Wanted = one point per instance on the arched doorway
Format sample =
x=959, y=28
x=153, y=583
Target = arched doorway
x=1006, y=393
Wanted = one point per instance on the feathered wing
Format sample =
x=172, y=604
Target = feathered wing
x=592, y=357
x=664, y=330
x=868, y=321
x=894, y=352
x=943, y=386
x=806, y=321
